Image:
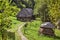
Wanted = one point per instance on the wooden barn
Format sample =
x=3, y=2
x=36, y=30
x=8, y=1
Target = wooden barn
x=47, y=29
x=26, y=14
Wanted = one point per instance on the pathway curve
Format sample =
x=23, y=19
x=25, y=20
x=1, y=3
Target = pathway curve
x=20, y=32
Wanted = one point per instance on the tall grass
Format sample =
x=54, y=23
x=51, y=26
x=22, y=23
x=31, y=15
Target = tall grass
x=31, y=32
x=12, y=30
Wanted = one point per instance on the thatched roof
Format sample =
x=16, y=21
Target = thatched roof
x=47, y=25
x=25, y=12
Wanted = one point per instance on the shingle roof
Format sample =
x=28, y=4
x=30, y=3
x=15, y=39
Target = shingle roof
x=25, y=12
x=47, y=25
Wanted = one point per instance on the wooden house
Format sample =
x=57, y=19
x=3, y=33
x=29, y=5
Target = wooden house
x=26, y=14
x=47, y=29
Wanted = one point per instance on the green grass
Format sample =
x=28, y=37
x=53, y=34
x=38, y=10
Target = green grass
x=14, y=24
x=57, y=32
x=12, y=30
x=31, y=32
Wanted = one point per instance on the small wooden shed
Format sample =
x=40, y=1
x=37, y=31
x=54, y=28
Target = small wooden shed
x=26, y=14
x=47, y=29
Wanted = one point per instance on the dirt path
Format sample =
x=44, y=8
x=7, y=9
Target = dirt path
x=20, y=33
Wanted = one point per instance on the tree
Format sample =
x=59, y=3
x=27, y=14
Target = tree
x=41, y=10
x=54, y=7
x=43, y=13
x=24, y=3
x=6, y=10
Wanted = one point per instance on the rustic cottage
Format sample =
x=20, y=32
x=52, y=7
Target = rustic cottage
x=47, y=29
x=26, y=14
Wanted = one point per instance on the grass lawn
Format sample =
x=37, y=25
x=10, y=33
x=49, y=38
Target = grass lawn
x=12, y=30
x=14, y=24
x=31, y=32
